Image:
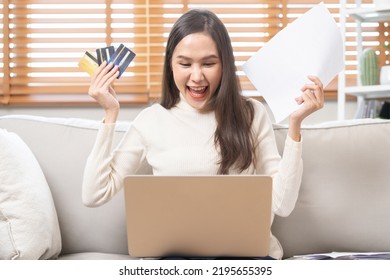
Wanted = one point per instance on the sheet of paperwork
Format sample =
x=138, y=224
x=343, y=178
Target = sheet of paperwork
x=310, y=45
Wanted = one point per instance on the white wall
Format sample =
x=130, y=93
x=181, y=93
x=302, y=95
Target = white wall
x=328, y=113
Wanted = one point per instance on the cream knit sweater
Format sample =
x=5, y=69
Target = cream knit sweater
x=180, y=141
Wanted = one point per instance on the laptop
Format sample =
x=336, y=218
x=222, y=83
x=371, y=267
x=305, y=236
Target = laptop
x=198, y=216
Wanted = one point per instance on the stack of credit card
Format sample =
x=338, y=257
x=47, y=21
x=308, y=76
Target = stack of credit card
x=121, y=57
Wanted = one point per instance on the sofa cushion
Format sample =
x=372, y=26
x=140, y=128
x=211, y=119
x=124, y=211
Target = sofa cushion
x=344, y=200
x=62, y=152
x=29, y=226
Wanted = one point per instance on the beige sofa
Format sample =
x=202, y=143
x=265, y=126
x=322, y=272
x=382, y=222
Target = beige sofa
x=344, y=201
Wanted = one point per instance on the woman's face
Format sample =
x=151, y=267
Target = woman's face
x=197, y=68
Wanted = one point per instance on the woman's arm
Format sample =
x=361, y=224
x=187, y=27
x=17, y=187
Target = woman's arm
x=105, y=168
x=286, y=171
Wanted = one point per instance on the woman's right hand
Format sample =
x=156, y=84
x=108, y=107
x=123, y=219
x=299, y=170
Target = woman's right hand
x=102, y=91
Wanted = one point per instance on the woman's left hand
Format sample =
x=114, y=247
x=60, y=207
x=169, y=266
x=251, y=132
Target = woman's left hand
x=312, y=99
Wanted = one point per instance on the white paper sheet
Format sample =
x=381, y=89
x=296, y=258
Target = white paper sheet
x=310, y=45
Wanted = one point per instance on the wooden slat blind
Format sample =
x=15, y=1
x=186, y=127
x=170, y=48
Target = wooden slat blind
x=43, y=40
x=4, y=61
x=47, y=39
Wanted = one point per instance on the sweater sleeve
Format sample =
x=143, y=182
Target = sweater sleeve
x=106, y=168
x=287, y=180
x=286, y=170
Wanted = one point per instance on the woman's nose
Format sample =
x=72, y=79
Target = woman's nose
x=197, y=74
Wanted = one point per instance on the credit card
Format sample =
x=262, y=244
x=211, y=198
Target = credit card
x=88, y=63
x=104, y=54
x=122, y=57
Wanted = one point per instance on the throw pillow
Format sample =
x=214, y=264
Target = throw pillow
x=29, y=227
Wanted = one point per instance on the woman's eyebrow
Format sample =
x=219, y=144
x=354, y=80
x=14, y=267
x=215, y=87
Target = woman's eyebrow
x=211, y=56
x=203, y=58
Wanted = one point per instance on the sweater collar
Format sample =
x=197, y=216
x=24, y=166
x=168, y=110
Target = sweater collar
x=184, y=105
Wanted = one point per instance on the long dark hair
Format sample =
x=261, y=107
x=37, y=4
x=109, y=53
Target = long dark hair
x=233, y=112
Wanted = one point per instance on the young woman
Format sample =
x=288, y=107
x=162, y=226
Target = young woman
x=203, y=124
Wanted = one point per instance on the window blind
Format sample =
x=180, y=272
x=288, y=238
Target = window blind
x=42, y=42
x=47, y=39
x=4, y=81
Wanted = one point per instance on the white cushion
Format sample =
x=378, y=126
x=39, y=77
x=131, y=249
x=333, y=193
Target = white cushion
x=344, y=200
x=62, y=149
x=29, y=226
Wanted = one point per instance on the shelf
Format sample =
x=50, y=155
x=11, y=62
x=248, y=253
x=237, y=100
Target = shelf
x=370, y=14
x=370, y=92
x=362, y=12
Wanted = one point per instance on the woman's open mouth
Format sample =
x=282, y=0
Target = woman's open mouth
x=197, y=92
